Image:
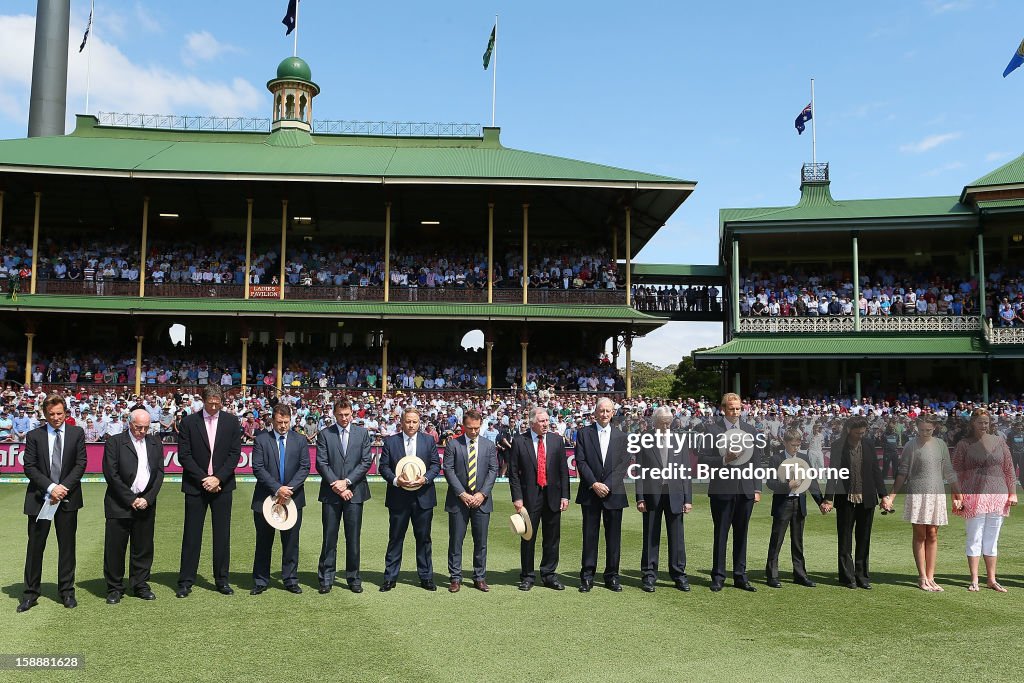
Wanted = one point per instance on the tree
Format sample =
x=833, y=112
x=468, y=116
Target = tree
x=689, y=382
x=650, y=380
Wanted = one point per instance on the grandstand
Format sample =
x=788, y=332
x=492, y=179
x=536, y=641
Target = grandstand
x=875, y=297
x=313, y=239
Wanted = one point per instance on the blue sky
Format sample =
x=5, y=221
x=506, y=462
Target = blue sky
x=910, y=96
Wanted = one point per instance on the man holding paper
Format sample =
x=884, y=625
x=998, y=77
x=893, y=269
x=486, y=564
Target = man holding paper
x=54, y=464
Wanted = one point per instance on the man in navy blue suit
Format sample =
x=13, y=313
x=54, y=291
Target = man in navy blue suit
x=280, y=463
x=409, y=500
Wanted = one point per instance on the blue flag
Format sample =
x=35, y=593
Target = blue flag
x=85, y=38
x=1015, y=61
x=289, y=17
x=805, y=116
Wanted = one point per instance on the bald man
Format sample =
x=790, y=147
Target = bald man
x=133, y=465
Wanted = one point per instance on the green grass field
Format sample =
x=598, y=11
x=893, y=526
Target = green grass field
x=893, y=632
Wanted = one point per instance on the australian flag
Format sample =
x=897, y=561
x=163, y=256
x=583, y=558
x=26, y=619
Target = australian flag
x=1015, y=61
x=289, y=17
x=805, y=116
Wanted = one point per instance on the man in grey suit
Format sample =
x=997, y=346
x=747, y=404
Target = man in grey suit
x=280, y=462
x=342, y=459
x=470, y=466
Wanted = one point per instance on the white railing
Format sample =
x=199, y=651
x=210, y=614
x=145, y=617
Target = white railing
x=844, y=323
x=839, y=323
x=920, y=323
x=1003, y=335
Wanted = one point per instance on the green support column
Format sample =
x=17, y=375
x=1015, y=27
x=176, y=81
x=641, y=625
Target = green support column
x=981, y=280
x=856, y=294
x=735, y=285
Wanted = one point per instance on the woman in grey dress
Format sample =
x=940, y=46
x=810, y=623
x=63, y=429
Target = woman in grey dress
x=924, y=468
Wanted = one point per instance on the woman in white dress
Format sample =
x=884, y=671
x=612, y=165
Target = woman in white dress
x=924, y=468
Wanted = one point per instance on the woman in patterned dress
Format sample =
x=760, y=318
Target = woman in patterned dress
x=984, y=469
x=924, y=468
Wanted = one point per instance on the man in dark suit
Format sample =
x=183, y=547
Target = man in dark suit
x=342, y=458
x=855, y=498
x=601, y=460
x=663, y=497
x=732, y=500
x=133, y=466
x=471, y=467
x=54, y=463
x=280, y=463
x=538, y=475
x=405, y=503
x=789, y=510
x=209, y=445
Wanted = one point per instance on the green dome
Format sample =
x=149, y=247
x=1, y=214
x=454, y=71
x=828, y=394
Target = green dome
x=294, y=68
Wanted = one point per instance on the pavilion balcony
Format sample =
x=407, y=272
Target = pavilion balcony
x=845, y=323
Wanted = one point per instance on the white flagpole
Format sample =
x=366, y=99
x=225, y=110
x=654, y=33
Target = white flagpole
x=814, y=135
x=295, y=48
x=88, y=57
x=494, y=70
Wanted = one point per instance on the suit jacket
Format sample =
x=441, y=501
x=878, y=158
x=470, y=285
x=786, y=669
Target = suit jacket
x=194, y=451
x=871, y=472
x=612, y=473
x=709, y=455
x=522, y=472
x=120, y=465
x=650, y=490
x=353, y=464
x=780, y=489
x=456, y=471
x=394, y=450
x=37, y=468
x=266, y=466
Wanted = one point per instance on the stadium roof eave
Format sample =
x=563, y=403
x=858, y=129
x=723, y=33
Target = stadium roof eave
x=847, y=224
x=297, y=308
x=855, y=346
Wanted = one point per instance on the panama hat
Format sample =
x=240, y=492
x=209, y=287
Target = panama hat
x=521, y=525
x=281, y=517
x=787, y=465
x=413, y=468
x=732, y=444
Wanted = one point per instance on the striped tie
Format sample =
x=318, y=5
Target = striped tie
x=472, y=465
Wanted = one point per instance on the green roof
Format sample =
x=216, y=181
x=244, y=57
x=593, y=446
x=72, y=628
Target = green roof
x=1000, y=204
x=845, y=346
x=337, y=309
x=1011, y=173
x=294, y=68
x=678, y=273
x=907, y=207
x=152, y=153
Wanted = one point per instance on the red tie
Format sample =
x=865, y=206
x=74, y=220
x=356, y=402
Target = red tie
x=542, y=463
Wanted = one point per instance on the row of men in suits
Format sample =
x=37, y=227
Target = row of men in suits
x=539, y=482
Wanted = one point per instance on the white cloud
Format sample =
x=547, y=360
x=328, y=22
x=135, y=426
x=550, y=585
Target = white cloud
x=997, y=156
x=929, y=143
x=145, y=20
x=951, y=166
x=118, y=84
x=943, y=6
x=202, y=46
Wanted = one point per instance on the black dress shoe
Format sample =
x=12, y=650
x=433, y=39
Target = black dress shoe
x=258, y=590
x=354, y=587
x=386, y=586
x=182, y=592
x=525, y=585
x=804, y=581
x=848, y=585
x=585, y=586
x=554, y=584
x=774, y=583
x=428, y=585
x=683, y=585
x=297, y=589
x=613, y=585
x=746, y=586
x=866, y=585
x=26, y=604
x=716, y=586
x=647, y=587
x=325, y=588
x=145, y=594
x=225, y=590
x=113, y=598
x=69, y=601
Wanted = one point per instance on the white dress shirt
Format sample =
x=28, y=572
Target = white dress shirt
x=142, y=473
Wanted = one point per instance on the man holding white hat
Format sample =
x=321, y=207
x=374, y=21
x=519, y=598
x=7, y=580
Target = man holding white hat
x=280, y=463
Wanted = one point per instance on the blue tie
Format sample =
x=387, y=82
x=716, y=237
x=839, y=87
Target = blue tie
x=280, y=448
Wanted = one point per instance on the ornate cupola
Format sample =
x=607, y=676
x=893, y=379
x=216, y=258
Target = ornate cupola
x=293, y=92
